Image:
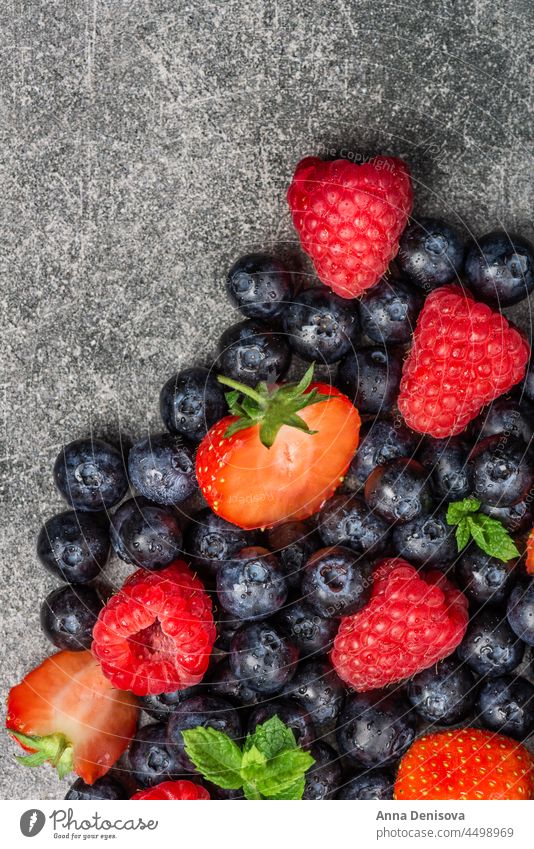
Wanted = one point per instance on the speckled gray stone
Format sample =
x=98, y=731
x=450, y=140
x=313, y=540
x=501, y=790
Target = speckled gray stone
x=147, y=144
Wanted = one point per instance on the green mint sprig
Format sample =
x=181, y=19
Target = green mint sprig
x=489, y=534
x=270, y=765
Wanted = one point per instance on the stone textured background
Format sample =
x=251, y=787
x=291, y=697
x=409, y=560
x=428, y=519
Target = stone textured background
x=147, y=144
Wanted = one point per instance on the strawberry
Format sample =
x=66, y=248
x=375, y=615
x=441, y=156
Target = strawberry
x=466, y=763
x=280, y=455
x=66, y=712
x=184, y=791
x=530, y=553
x=349, y=218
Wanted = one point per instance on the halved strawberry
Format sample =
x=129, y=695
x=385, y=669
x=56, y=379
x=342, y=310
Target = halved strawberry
x=281, y=455
x=66, y=712
x=530, y=553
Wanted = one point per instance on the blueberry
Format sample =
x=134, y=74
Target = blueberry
x=444, y=693
x=317, y=688
x=227, y=627
x=263, y=657
x=74, y=546
x=68, y=616
x=380, y=440
x=515, y=519
x=371, y=377
x=293, y=544
x=291, y=713
x=388, y=311
x=501, y=471
x=191, y=402
x=490, y=647
x=324, y=777
x=520, y=611
x=259, y=285
x=527, y=388
x=445, y=460
x=500, y=268
x=375, y=729
x=250, y=352
x=252, y=585
x=506, y=705
x=399, y=490
x=90, y=474
x=102, y=789
x=211, y=540
x=346, y=520
x=505, y=415
x=146, y=535
x=426, y=541
x=320, y=326
x=161, y=706
x=336, y=581
x=484, y=579
x=200, y=711
x=225, y=684
x=431, y=253
x=162, y=468
x=375, y=785
x=150, y=759
x=311, y=633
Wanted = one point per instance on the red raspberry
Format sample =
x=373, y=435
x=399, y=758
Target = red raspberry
x=183, y=790
x=463, y=356
x=411, y=621
x=156, y=634
x=349, y=218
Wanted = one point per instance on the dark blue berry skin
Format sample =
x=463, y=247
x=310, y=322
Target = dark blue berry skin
x=505, y=415
x=212, y=541
x=484, y=579
x=336, y=581
x=150, y=759
x=68, y=616
x=226, y=685
x=291, y=713
x=250, y=352
x=490, y=646
x=320, y=326
x=388, y=311
x=445, y=460
x=200, y=711
x=370, y=377
x=162, y=468
x=426, y=541
x=227, y=627
x=506, y=705
x=259, y=286
x=375, y=729
x=74, y=546
x=527, y=387
x=252, y=585
x=324, y=777
x=520, y=612
x=515, y=519
x=293, y=544
x=263, y=658
x=346, y=520
x=399, y=491
x=191, y=402
x=162, y=705
x=431, y=253
x=500, y=268
x=317, y=688
x=374, y=785
x=90, y=474
x=311, y=633
x=105, y=788
x=501, y=471
x=380, y=440
x=145, y=535
x=444, y=693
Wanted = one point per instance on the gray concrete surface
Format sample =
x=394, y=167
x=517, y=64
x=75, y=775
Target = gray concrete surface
x=147, y=144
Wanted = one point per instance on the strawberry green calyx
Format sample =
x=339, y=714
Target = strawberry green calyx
x=54, y=748
x=270, y=407
x=488, y=534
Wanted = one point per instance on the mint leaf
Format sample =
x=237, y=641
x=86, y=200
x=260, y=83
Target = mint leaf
x=215, y=756
x=281, y=773
x=294, y=791
x=458, y=509
x=272, y=737
x=463, y=533
x=489, y=534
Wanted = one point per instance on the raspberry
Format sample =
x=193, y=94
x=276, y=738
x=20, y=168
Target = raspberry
x=411, y=621
x=463, y=356
x=349, y=218
x=185, y=791
x=156, y=634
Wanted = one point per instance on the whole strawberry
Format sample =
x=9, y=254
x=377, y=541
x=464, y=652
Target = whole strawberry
x=184, y=791
x=466, y=763
x=412, y=620
x=349, y=218
x=463, y=356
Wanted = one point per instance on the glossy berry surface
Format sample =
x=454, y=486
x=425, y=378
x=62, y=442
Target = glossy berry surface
x=74, y=546
x=484, y=579
x=184, y=791
x=162, y=468
x=263, y=657
x=325, y=776
x=445, y=461
x=501, y=471
x=204, y=712
x=161, y=705
x=102, y=789
x=259, y=286
x=291, y=713
x=375, y=729
x=191, y=402
x=398, y=491
x=500, y=268
x=370, y=377
x=375, y=784
x=321, y=327
x=146, y=535
x=311, y=633
x=516, y=519
x=293, y=544
x=317, y=688
x=211, y=541
x=431, y=253
x=426, y=541
x=150, y=759
x=381, y=440
x=444, y=693
x=520, y=611
x=389, y=310
x=505, y=415
x=490, y=646
x=506, y=705
x=90, y=474
x=346, y=520
x=68, y=616
x=252, y=585
x=224, y=683
x=249, y=352
x=336, y=581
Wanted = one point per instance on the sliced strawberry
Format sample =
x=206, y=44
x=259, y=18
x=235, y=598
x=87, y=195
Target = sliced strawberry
x=530, y=553
x=66, y=712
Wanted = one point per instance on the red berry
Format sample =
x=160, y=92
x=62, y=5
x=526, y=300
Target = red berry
x=412, y=620
x=349, y=218
x=156, y=634
x=172, y=790
x=463, y=356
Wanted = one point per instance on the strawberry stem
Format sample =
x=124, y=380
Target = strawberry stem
x=242, y=388
x=55, y=748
